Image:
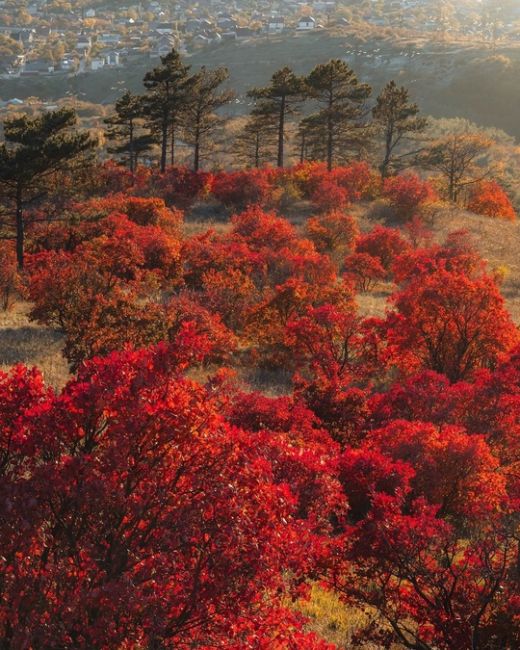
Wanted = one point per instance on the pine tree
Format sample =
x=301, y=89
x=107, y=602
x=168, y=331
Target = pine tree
x=125, y=128
x=278, y=100
x=342, y=101
x=254, y=144
x=166, y=101
x=397, y=120
x=205, y=97
x=311, y=145
x=35, y=150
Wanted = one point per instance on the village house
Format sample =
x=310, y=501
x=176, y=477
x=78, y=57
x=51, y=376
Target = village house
x=306, y=23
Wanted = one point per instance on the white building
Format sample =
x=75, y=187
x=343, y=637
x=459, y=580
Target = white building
x=306, y=23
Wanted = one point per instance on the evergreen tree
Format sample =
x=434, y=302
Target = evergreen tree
x=166, y=101
x=125, y=128
x=397, y=120
x=278, y=100
x=205, y=97
x=35, y=150
x=310, y=138
x=342, y=101
x=254, y=143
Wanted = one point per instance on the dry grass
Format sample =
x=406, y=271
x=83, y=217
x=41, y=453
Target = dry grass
x=332, y=620
x=497, y=241
x=24, y=342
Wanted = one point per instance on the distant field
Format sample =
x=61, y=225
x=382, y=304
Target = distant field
x=447, y=81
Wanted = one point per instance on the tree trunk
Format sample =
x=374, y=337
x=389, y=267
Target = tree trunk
x=196, y=152
x=164, y=144
x=257, y=151
x=20, y=230
x=131, y=146
x=330, y=136
x=388, y=152
x=281, y=133
x=172, y=146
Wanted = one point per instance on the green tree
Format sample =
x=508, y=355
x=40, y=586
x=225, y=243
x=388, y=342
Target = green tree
x=278, y=100
x=35, y=151
x=397, y=120
x=166, y=101
x=254, y=142
x=125, y=128
x=205, y=97
x=341, y=98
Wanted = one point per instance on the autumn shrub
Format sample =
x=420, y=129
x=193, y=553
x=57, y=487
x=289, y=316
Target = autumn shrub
x=450, y=323
x=113, y=178
x=181, y=187
x=128, y=493
x=359, y=179
x=489, y=198
x=384, y=244
x=263, y=230
x=328, y=196
x=407, y=194
x=333, y=233
x=364, y=271
x=242, y=188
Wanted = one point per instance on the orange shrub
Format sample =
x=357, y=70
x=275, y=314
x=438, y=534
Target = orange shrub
x=488, y=198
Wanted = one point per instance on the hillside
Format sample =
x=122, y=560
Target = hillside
x=497, y=241
x=455, y=80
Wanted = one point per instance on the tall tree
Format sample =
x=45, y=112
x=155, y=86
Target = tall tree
x=124, y=127
x=278, y=100
x=205, y=97
x=310, y=139
x=397, y=119
x=35, y=150
x=166, y=100
x=342, y=101
x=254, y=142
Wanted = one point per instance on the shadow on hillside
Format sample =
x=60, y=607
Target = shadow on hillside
x=26, y=344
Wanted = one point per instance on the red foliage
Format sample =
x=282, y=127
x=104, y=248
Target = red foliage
x=407, y=194
x=363, y=271
x=333, y=233
x=328, y=195
x=385, y=244
x=449, y=323
x=489, y=198
x=181, y=187
x=242, y=188
x=142, y=516
x=263, y=230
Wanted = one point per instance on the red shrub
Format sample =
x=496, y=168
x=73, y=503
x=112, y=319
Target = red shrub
x=328, y=195
x=360, y=181
x=385, y=244
x=242, y=188
x=364, y=271
x=407, y=194
x=181, y=187
x=488, y=198
x=332, y=233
